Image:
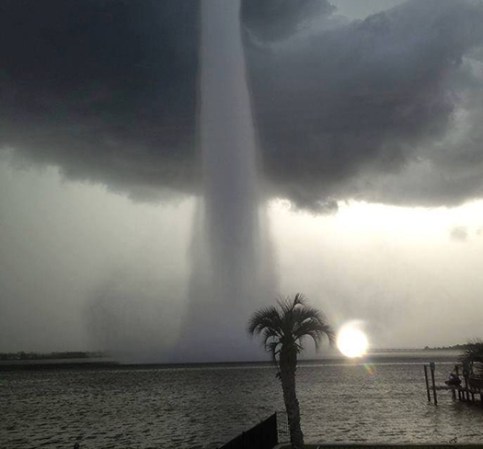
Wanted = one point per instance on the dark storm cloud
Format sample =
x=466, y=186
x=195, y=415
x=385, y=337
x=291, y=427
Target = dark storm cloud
x=355, y=103
x=107, y=90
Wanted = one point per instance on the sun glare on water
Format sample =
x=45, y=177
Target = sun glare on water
x=351, y=340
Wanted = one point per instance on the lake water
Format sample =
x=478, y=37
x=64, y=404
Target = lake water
x=203, y=407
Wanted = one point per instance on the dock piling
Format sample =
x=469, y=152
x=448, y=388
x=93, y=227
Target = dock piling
x=427, y=382
x=431, y=366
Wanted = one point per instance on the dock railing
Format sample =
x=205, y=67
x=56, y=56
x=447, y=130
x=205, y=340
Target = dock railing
x=263, y=436
x=467, y=390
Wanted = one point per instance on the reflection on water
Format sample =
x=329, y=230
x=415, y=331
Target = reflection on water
x=204, y=407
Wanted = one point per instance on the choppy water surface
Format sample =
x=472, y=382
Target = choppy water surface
x=204, y=407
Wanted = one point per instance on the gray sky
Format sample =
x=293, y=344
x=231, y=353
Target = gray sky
x=377, y=121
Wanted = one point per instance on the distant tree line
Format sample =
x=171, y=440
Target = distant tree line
x=50, y=356
x=473, y=352
x=470, y=352
x=461, y=347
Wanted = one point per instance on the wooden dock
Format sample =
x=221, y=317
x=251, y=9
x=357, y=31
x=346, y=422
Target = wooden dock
x=470, y=390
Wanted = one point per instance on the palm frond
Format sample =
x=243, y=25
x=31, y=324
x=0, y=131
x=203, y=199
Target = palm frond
x=299, y=299
x=315, y=328
x=266, y=317
x=272, y=347
x=270, y=334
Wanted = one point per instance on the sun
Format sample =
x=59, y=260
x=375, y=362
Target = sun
x=351, y=340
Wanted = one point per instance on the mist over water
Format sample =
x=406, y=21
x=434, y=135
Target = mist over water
x=229, y=256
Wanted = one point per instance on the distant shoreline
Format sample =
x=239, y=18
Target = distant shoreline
x=376, y=356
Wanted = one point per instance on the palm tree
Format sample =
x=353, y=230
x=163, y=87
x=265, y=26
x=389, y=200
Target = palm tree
x=283, y=328
x=472, y=359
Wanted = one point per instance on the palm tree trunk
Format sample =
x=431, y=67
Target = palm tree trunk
x=287, y=376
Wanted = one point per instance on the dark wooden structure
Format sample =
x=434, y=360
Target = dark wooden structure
x=263, y=436
x=470, y=388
